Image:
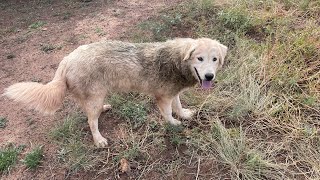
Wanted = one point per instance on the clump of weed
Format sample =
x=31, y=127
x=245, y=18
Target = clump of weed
x=3, y=122
x=66, y=15
x=8, y=157
x=130, y=109
x=158, y=29
x=99, y=31
x=69, y=129
x=175, y=134
x=236, y=19
x=69, y=135
x=33, y=159
x=129, y=154
x=37, y=24
x=49, y=47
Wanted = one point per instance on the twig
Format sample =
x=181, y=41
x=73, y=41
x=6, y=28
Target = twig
x=198, y=170
x=191, y=157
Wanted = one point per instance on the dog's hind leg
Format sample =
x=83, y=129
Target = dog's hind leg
x=165, y=106
x=182, y=112
x=93, y=107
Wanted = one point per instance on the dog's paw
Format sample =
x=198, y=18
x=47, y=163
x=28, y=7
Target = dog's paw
x=100, y=142
x=106, y=107
x=175, y=122
x=187, y=113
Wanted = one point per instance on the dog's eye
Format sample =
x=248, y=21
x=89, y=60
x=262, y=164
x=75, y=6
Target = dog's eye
x=200, y=58
x=214, y=59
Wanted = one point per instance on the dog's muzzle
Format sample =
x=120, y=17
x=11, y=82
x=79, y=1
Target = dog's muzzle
x=207, y=83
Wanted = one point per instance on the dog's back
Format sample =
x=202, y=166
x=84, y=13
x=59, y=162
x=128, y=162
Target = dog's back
x=105, y=66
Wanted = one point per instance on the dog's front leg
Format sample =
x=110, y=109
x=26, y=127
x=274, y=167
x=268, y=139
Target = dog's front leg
x=165, y=106
x=182, y=112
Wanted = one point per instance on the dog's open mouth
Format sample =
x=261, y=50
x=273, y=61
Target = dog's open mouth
x=204, y=84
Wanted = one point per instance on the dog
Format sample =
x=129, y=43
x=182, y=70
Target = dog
x=91, y=72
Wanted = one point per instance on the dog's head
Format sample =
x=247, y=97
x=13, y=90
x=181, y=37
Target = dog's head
x=205, y=56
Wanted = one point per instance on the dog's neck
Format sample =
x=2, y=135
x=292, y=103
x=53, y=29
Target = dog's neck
x=166, y=67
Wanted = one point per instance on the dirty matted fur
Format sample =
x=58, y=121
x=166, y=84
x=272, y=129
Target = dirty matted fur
x=91, y=72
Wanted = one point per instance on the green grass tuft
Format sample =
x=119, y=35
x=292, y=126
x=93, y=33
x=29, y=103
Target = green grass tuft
x=99, y=31
x=37, y=24
x=34, y=158
x=70, y=137
x=236, y=20
x=9, y=156
x=175, y=134
x=130, y=109
x=69, y=129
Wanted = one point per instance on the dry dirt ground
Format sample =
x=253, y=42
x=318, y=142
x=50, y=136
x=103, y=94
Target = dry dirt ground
x=35, y=36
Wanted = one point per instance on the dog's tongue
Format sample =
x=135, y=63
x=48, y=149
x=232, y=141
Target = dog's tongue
x=206, y=84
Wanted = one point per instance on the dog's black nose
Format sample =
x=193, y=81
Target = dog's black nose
x=209, y=76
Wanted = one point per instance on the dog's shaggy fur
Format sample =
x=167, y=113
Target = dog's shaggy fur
x=93, y=71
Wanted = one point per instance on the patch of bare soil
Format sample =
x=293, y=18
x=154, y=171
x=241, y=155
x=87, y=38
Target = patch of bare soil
x=34, y=37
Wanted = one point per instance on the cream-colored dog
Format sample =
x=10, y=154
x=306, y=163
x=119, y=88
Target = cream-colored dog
x=93, y=71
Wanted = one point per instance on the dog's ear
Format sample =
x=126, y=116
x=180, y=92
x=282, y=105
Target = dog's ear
x=189, y=49
x=223, y=52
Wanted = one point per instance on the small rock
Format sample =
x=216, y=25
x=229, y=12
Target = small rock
x=124, y=166
x=11, y=56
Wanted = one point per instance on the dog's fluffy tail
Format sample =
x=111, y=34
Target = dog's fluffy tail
x=46, y=98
